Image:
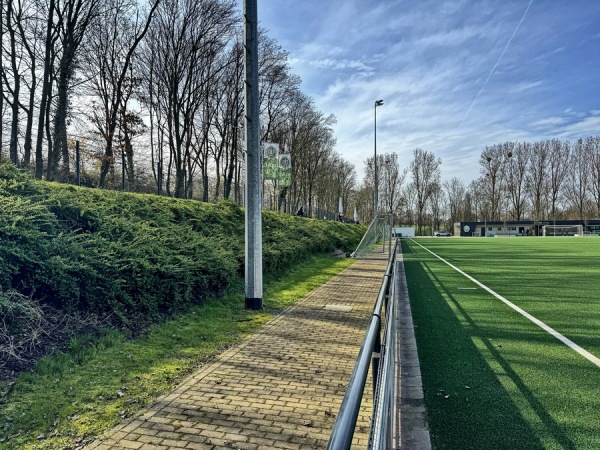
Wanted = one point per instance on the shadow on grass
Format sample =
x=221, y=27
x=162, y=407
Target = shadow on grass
x=476, y=331
x=467, y=406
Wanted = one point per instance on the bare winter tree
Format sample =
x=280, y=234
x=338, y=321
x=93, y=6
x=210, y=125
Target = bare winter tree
x=493, y=163
x=30, y=28
x=437, y=206
x=12, y=77
x=594, y=145
x=73, y=19
x=579, y=176
x=182, y=53
x=2, y=75
x=390, y=181
x=538, y=180
x=516, y=173
x=559, y=156
x=455, y=194
x=425, y=171
x=51, y=37
x=110, y=51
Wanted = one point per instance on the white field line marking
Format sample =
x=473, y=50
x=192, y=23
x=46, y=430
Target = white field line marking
x=568, y=342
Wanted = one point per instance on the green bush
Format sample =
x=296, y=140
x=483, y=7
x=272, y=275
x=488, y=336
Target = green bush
x=134, y=255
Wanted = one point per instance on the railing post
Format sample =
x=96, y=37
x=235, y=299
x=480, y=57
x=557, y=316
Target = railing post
x=345, y=423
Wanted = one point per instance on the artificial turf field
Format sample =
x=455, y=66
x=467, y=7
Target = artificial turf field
x=492, y=378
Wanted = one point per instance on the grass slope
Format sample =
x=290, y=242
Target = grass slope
x=136, y=256
x=492, y=379
x=76, y=395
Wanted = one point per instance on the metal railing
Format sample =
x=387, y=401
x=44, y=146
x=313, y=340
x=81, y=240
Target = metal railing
x=382, y=359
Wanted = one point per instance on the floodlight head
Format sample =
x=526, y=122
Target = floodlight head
x=378, y=103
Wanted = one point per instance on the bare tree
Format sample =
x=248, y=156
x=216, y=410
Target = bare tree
x=516, y=173
x=594, y=148
x=559, y=155
x=437, y=207
x=579, y=176
x=493, y=168
x=110, y=50
x=74, y=18
x=47, y=80
x=425, y=171
x=182, y=52
x=2, y=75
x=12, y=80
x=538, y=180
x=455, y=194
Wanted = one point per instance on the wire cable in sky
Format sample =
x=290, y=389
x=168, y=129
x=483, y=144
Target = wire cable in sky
x=497, y=62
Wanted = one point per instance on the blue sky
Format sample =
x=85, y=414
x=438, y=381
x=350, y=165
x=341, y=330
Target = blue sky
x=429, y=59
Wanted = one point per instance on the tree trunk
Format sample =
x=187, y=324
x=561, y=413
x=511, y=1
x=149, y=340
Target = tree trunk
x=46, y=89
x=61, y=149
x=14, y=127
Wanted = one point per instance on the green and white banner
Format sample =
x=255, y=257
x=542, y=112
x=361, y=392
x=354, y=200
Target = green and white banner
x=285, y=170
x=271, y=160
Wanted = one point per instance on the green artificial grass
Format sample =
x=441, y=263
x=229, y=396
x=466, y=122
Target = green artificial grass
x=76, y=395
x=492, y=378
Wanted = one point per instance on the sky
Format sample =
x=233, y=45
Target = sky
x=455, y=75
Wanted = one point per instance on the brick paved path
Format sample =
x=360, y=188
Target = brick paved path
x=279, y=389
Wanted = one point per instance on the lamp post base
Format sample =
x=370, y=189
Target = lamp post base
x=254, y=303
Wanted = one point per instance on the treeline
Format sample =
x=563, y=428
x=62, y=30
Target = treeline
x=153, y=93
x=544, y=180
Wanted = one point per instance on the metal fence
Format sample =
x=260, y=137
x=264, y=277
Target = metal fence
x=380, y=229
x=380, y=354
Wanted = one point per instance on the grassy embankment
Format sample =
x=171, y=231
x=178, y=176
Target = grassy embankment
x=139, y=259
x=492, y=378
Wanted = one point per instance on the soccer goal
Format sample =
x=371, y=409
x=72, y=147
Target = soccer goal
x=476, y=234
x=563, y=230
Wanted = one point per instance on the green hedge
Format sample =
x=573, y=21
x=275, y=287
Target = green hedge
x=82, y=249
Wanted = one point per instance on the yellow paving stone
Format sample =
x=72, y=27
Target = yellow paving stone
x=277, y=389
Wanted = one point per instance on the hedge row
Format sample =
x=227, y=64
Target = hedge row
x=82, y=249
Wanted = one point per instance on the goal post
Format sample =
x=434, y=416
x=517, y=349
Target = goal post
x=562, y=230
x=476, y=234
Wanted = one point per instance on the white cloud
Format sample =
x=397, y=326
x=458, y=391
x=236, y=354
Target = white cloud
x=526, y=86
x=551, y=122
x=428, y=60
x=589, y=126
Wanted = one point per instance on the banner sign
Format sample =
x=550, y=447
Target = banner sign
x=285, y=170
x=270, y=161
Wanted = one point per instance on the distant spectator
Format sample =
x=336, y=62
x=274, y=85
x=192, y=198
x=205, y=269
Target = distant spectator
x=340, y=218
x=300, y=212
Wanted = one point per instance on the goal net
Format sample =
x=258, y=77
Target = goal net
x=563, y=230
x=476, y=234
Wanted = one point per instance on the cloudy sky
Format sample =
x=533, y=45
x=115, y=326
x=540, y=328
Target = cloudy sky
x=455, y=75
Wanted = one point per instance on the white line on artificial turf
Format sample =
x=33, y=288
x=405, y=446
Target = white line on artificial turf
x=568, y=342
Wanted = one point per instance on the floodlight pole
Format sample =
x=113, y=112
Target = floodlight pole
x=253, y=187
x=376, y=197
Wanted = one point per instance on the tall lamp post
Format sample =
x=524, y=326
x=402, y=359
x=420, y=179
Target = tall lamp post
x=376, y=198
x=253, y=188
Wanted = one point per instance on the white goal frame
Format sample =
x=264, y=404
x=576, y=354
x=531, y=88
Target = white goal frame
x=562, y=230
x=476, y=234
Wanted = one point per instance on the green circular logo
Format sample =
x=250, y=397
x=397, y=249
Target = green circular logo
x=271, y=152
